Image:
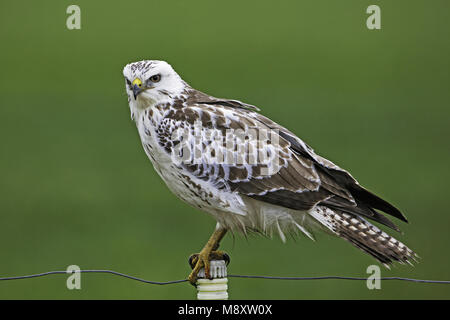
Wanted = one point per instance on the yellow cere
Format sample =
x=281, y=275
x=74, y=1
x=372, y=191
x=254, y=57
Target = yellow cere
x=137, y=81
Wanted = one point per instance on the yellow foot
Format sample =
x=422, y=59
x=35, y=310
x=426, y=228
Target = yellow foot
x=201, y=260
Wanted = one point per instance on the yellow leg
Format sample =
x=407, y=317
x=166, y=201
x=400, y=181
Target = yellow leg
x=209, y=251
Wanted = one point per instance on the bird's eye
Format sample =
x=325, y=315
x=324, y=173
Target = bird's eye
x=155, y=78
x=128, y=82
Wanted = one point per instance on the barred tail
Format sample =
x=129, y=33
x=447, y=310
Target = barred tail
x=364, y=236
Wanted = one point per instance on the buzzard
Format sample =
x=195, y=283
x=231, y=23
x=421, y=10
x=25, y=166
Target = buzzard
x=251, y=174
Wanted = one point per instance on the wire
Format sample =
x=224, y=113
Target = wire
x=93, y=271
x=339, y=278
x=229, y=276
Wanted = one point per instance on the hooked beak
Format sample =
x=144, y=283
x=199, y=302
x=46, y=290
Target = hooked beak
x=137, y=87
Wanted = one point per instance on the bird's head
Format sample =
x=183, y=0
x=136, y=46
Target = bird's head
x=149, y=82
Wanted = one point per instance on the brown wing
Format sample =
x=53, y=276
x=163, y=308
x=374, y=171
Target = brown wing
x=301, y=180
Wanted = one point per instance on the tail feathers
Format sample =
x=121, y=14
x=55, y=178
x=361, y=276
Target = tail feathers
x=364, y=236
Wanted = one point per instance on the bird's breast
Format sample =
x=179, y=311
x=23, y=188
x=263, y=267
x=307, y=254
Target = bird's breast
x=201, y=194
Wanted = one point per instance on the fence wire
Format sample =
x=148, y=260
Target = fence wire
x=37, y=275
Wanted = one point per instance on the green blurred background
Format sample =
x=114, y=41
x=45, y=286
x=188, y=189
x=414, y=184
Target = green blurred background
x=77, y=188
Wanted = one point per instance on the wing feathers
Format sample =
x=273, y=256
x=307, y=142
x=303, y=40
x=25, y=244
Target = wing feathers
x=374, y=201
x=304, y=179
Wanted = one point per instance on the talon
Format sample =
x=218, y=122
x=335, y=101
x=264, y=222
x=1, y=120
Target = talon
x=193, y=279
x=193, y=258
x=197, y=262
x=201, y=260
x=227, y=258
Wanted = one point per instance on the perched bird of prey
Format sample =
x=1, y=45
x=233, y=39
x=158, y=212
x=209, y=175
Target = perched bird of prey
x=251, y=174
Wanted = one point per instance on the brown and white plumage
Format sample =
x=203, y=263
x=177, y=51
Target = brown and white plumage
x=304, y=193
